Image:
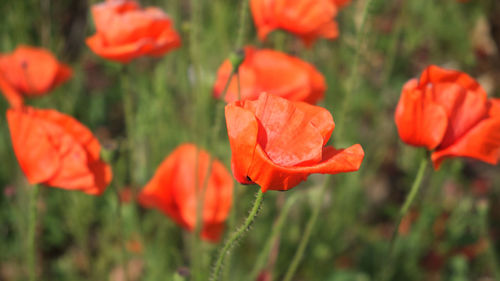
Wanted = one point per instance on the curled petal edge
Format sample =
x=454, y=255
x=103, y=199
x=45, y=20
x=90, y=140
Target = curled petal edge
x=270, y=176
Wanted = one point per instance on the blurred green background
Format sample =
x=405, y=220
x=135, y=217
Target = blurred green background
x=451, y=232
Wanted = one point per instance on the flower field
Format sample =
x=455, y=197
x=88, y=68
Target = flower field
x=252, y=140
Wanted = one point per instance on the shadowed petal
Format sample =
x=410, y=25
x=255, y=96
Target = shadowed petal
x=419, y=120
x=268, y=175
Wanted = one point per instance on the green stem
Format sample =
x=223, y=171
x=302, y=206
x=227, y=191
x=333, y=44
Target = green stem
x=275, y=233
x=297, y=258
x=31, y=258
x=236, y=236
x=402, y=213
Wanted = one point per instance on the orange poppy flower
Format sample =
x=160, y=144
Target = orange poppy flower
x=125, y=31
x=276, y=143
x=30, y=71
x=173, y=190
x=274, y=72
x=56, y=150
x=448, y=112
x=308, y=19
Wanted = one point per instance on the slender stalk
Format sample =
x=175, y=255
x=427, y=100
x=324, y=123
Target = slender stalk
x=299, y=254
x=236, y=236
x=31, y=255
x=410, y=198
x=275, y=233
x=417, y=182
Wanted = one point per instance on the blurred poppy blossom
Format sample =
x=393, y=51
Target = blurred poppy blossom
x=448, y=112
x=126, y=31
x=274, y=72
x=308, y=19
x=276, y=143
x=30, y=71
x=173, y=190
x=56, y=150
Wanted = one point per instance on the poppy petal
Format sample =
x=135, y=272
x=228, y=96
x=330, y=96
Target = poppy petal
x=126, y=31
x=273, y=72
x=482, y=142
x=434, y=75
x=242, y=129
x=419, y=120
x=175, y=189
x=40, y=162
x=463, y=108
x=288, y=137
x=268, y=175
x=13, y=97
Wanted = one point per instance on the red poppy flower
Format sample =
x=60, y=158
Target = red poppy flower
x=56, y=150
x=308, y=19
x=125, y=31
x=30, y=71
x=274, y=72
x=448, y=112
x=173, y=190
x=276, y=143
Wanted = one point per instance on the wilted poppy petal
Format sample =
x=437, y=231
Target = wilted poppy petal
x=420, y=121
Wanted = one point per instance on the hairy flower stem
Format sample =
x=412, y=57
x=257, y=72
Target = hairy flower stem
x=402, y=213
x=31, y=255
x=236, y=236
x=299, y=254
x=275, y=233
